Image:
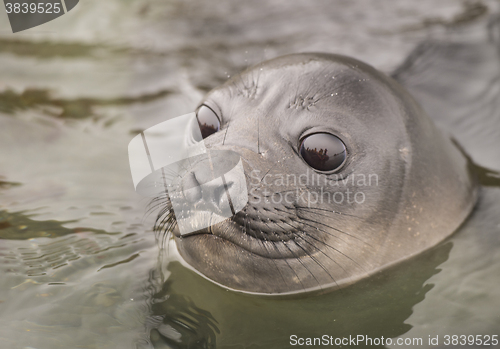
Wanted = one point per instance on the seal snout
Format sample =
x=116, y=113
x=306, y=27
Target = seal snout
x=212, y=194
x=191, y=182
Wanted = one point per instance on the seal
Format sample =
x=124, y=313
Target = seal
x=346, y=175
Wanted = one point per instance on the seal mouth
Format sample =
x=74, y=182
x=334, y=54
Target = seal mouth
x=247, y=233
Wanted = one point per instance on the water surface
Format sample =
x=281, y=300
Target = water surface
x=78, y=258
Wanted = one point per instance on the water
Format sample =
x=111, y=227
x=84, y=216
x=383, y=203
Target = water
x=78, y=258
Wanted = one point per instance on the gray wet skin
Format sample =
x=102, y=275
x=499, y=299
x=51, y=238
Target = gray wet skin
x=420, y=189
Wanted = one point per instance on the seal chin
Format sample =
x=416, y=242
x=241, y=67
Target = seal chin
x=232, y=266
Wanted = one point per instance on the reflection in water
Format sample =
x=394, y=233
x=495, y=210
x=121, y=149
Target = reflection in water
x=18, y=226
x=80, y=108
x=183, y=325
x=70, y=287
x=198, y=314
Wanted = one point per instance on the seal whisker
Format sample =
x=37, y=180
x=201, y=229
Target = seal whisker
x=162, y=211
x=161, y=199
x=173, y=173
x=165, y=238
x=337, y=250
x=264, y=245
x=165, y=224
x=240, y=76
x=314, y=246
x=284, y=259
x=157, y=202
x=235, y=87
x=331, y=247
x=265, y=174
x=288, y=264
x=317, y=261
x=298, y=259
x=273, y=167
x=297, y=94
x=165, y=216
x=340, y=231
x=324, y=231
x=258, y=133
x=162, y=236
x=293, y=270
x=225, y=134
x=311, y=209
x=302, y=263
x=274, y=262
x=311, y=256
x=257, y=81
x=314, y=208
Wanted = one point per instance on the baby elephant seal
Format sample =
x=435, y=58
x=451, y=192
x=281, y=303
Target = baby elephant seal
x=345, y=174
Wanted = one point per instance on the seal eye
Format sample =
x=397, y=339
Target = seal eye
x=323, y=151
x=208, y=121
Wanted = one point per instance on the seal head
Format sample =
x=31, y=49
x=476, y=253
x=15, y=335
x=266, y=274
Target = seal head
x=345, y=173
